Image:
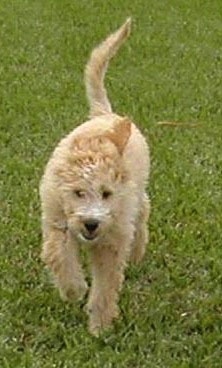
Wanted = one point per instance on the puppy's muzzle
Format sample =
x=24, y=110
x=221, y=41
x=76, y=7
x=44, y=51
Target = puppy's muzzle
x=91, y=226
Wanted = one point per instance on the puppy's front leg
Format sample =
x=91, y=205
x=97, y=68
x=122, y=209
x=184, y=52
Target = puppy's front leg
x=60, y=254
x=108, y=264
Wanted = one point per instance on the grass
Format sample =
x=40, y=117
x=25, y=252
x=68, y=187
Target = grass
x=170, y=69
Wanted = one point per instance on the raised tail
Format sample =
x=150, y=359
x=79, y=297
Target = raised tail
x=96, y=69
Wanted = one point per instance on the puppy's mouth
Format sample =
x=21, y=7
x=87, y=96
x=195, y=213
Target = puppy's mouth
x=90, y=236
x=87, y=237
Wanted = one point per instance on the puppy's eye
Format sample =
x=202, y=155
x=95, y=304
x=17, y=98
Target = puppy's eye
x=106, y=194
x=79, y=193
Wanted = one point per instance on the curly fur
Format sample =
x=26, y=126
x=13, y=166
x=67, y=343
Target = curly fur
x=93, y=195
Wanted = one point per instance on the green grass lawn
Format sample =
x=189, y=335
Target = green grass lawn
x=170, y=69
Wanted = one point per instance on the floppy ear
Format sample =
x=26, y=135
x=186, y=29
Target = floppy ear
x=120, y=133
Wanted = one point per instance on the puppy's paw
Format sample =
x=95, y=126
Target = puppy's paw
x=101, y=316
x=73, y=291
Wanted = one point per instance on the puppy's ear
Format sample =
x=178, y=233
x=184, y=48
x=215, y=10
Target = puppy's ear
x=120, y=133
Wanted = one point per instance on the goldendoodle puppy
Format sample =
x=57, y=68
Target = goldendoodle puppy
x=93, y=195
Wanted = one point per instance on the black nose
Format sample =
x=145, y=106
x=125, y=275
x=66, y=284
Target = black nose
x=91, y=225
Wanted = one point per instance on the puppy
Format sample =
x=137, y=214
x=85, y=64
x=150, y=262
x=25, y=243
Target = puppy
x=93, y=195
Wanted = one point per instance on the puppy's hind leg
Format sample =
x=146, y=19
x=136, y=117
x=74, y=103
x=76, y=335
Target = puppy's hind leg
x=61, y=256
x=141, y=236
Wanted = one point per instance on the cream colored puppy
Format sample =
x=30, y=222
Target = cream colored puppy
x=93, y=196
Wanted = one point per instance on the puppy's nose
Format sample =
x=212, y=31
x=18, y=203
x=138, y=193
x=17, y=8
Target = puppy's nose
x=91, y=225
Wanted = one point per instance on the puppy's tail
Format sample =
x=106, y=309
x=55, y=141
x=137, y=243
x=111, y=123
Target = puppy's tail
x=96, y=69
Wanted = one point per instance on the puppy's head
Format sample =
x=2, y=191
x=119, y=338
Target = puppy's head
x=94, y=183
